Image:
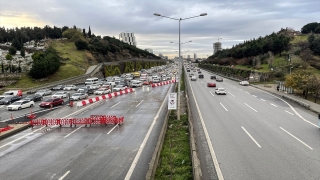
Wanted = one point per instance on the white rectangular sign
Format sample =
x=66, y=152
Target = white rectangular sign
x=172, y=103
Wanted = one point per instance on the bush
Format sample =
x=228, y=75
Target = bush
x=279, y=75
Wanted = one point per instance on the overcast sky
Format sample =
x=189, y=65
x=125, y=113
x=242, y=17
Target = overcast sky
x=231, y=20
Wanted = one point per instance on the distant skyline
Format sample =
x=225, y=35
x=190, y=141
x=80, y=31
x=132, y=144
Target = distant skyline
x=232, y=20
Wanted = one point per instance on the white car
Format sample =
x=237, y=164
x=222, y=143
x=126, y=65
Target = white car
x=70, y=87
x=119, y=88
x=193, y=78
x=244, y=83
x=220, y=91
x=78, y=96
x=94, y=86
x=102, y=91
x=136, y=83
x=20, y=105
x=156, y=80
x=44, y=92
x=60, y=94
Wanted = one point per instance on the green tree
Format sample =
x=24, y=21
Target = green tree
x=89, y=32
x=84, y=32
x=23, y=52
x=73, y=34
x=81, y=44
x=12, y=50
x=310, y=27
x=9, y=57
x=299, y=80
x=16, y=44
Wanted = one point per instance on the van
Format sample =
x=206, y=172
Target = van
x=91, y=81
x=12, y=93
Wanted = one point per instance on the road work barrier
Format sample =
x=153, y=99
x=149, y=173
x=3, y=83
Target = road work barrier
x=107, y=96
x=93, y=119
x=163, y=83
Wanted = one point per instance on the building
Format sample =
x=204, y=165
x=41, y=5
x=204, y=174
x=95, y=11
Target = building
x=128, y=37
x=216, y=47
x=149, y=50
x=194, y=56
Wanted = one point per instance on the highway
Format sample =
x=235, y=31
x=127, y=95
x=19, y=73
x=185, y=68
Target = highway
x=96, y=152
x=252, y=134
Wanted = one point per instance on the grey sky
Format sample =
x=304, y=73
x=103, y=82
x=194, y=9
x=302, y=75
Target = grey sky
x=232, y=20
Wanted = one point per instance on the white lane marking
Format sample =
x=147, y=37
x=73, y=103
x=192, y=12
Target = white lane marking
x=150, y=92
x=288, y=112
x=297, y=138
x=262, y=100
x=273, y=105
x=231, y=94
x=21, y=137
x=134, y=162
x=73, y=131
x=205, y=86
x=241, y=89
x=112, y=129
x=251, y=137
x=65, y=174
x=247, y=92
x=115, y=104
x=250, y=107
x=213, y=155
x=254, y=95
x=292, y=109
x=211, y=93
x=223, y=107
x=139, y=103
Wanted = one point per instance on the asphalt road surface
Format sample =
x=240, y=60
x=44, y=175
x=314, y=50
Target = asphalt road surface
x=96, y=152
x=253, y=134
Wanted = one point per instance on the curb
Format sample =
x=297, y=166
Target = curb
x=13, y=131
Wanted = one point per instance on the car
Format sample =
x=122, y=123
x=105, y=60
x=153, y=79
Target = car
x=93, y=86
x=58, y=88
x=70, y=87
x=136, y=83
x=33, y=97
x=191, y=74
x=211, y=84
x=12, y=92
x=51, y=102
x=102, y=91
x=44, y=92
x=119, y=88
x=213, y=77
x=85, y=90
x=156, y=80
x=78, y=96
x=219, y=79
x=18, y=105
x=146, y=82
x=244, y=83
x=60, y=94
x=188, y=70
x=10, y=99
x=193, y=78
x=199, y=72
x=220, y=91
x=201, y=76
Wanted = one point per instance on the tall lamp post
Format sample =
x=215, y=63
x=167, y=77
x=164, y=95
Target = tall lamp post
x=180, y=19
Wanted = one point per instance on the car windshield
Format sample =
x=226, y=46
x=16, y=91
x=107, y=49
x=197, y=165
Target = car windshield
x=58, y=93
x=76, y=94
x=6, y=99
x=7, y=93
x=16, y=103
x=119, y=86
x=30, y=97
x=68, y=85
x=42, y=90
x=221, y=89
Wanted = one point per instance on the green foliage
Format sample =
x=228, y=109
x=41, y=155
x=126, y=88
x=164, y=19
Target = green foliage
x=12, y=50
x=129, y=66
x=310, y=27
x=8, y=57
x=112, y=70
x=279, y=74
x=73, y=34
x=44, y=64
x=81, y=44
x=314, y=44
x=16, y=44
x=89, y=32
x=23, y=52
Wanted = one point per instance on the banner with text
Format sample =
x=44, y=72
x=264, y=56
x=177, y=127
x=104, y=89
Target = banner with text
x=172, y=103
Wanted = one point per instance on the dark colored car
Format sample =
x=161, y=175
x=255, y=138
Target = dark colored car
x=201, y=76
x=213, y=77
x=34, y=97
x=9, y=99
x=58, y=88
x=51, y=102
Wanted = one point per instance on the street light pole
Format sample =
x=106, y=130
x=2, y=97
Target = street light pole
x=180, y=19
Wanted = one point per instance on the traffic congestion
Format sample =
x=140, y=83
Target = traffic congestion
x=15, y=103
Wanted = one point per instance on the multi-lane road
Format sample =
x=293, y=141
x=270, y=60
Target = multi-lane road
x=251, y=134
x=96, y=152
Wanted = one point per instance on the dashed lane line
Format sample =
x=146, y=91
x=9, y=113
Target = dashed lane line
x=250, y=107
x=288, y=112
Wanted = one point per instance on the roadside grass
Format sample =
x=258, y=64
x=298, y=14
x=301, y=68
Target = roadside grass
x=299, y=39
x=264, y=68
x=175, y=161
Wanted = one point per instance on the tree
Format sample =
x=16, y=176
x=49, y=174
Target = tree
x=299, y=80
x=308, y=28
x=23, y=52
x=89, y=32
x=16, y=44
x=9, y=57
x=73, y=34
x=12, y=50
x=84, y=32
x=81, y=44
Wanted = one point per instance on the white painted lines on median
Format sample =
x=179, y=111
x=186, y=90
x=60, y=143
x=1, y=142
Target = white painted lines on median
x=273, y=105
x=115, y=105
x=224, y=107
x=296, y=138
x=211, y=93
x=231, y=94
x=139, y=103
x=288, y=112
x=250, y=136
x=254, y=95
x=73, y=131
x=250, y=107
x=112, y=129
x=65, y=174
x=262, y=100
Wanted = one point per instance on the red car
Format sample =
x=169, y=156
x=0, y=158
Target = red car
x=146, y=82
x=211, y=84
x=51, y=102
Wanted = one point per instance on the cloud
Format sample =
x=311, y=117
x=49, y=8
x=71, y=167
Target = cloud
x=232, y=20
